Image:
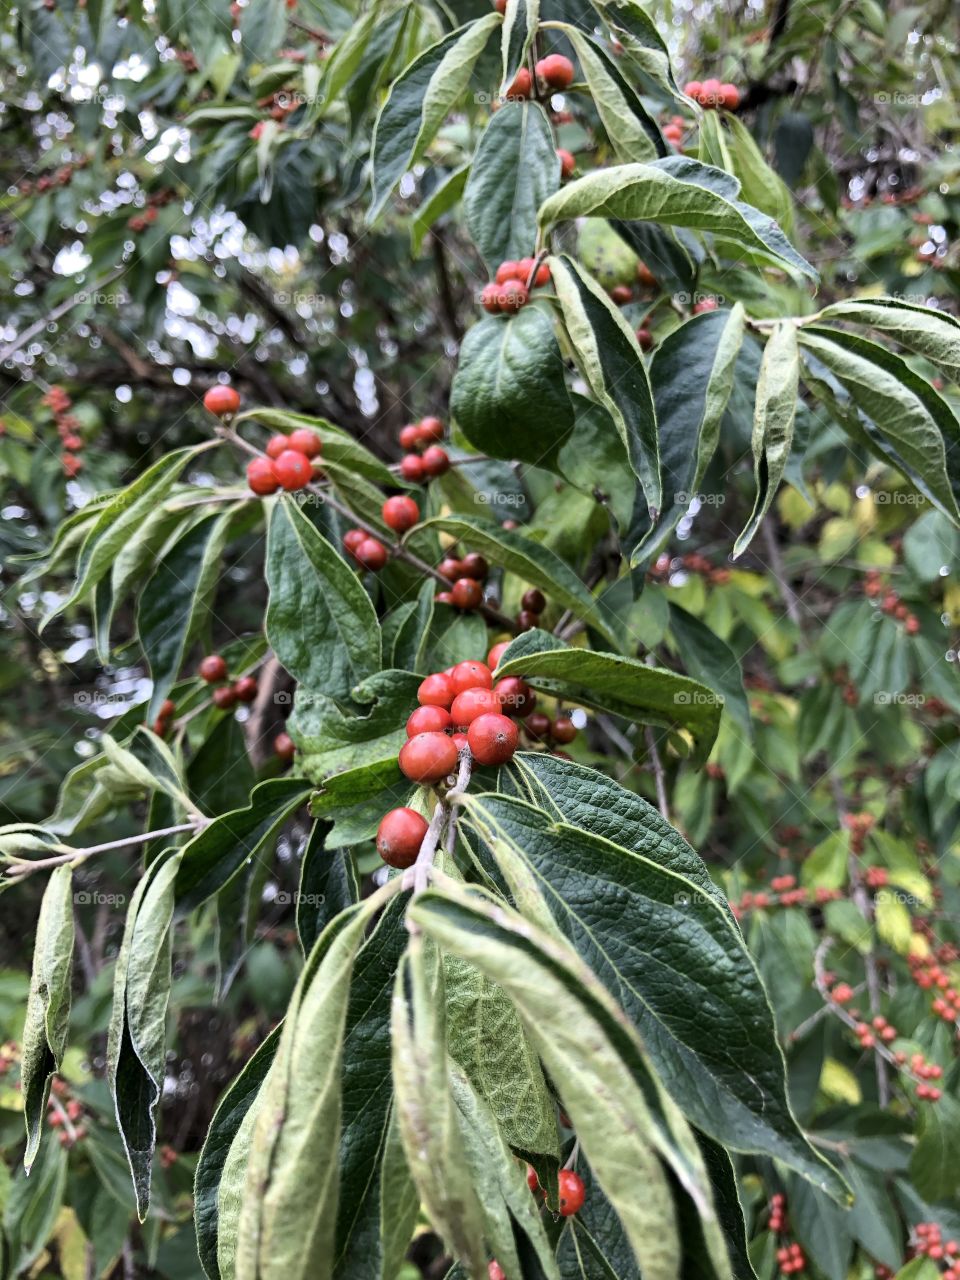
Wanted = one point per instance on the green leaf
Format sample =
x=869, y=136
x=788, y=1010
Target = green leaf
x=933, y=1165
x=509, y=397
x=760, y=185
x=681, y=193
x=623, y=686
x=432, y=1140
x=611, y=361
x=691, y=377
x=145, y=763
x=514, y=170
x=440, y=201
x=121, y=516
x=725, y=1066
x=935, y=335
x=214, y=856
x=916, y=427
x=328, y=885
x=712, y=661
x=332, y=738
x=48, y=1005
x=774, y=414
x=232, y=1110
x=32, y=1206
x=532, y=562
x=320, y=621
x=637, y=32
x=288, y=1215
x=633, y=132
x=136, y=1041
x=593, y=1057
x=399, y=1201
x=174, y=602
x=520, y=21
x=339, y=447
x=485, y=1036
x=419, y=101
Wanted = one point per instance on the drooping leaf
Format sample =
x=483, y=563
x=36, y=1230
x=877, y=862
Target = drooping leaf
x=320, y=621
x=691, y=377
x=520, y=21
x=681, y=193
x=508, y=396
x=136, y=1044
x=48, y=1005
x=419, y=101
x=712, y=661
x=774, y=414
x=333, y=738
x=935, y=335
x=612, y=363
x=638, y=33
x=532, y=562
x=623, y=686
x=514, y=170
x=31, y=1207
x=440, y=201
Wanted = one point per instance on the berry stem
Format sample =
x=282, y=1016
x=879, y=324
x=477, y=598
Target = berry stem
x=418, y=876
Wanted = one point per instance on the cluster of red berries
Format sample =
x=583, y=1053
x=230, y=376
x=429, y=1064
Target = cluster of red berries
x=778, y=1213
x=692, y=562
x=713, y=93
x=927, y=974
x=423, y=458
x=674, y=131
x=213, y=669
x=400, y=513
x=859, y=825
x=460, y=710
x=572, y=1192
x=791, y=1259
x=66, y=1114
x=288, y=464
x=554, y=74
x=876, y=877
x=140, y=221
x=510, y=288
x=791, y=897
x=61, y=177
x=161, y=725
x=890, y=602
x=929, y=1242
x=68, y=429
x=925, y=1070
x=466, y=576
x=868, y=1033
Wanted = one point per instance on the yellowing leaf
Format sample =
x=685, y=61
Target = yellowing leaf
x=893, y=921
x=838, y=1083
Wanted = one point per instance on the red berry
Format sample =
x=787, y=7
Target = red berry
x=534, y=601
x=73, y=442
x=533, y=1182
x=261, y=476
x=537, y=725
x=436, y=691
x=515, y=695
x=352, y=539
x=399, y=837
x=472, y=703
x=223, y=401
x=450, y=568
x=305, y=441
x=621, y=294
x=474, y=565
x=711, y=92
x=509, y=271
x=494, y=1270
x=526, y=620
x=277, y=445
x=470, y=675
x=467, y=593
x=555, y=71
x=512, y=295
x=436, y=461
x=428, y=719
x=563, y=730
x=400, y=513
x=292, y=469
x=411, y=468
x=213, y=669
x=409, y=437
x=526, y=265
x=428, y=757
x=522, y=85
x=496, y=653
x=644, y=338
x=167, y=708
x=224, y=697
x=444, y=597
x=490, y=298
x=372, y=554
x=493, y=738
x=692, y=89
x=572, y=1192
x=705, y=304
x=729, y=96
x=461, y=742
x=246, y=689
x=567, y=163
x=284, y=746
x=430, y=429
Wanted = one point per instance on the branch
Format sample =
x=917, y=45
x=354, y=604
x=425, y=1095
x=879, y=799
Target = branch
x=22, y=868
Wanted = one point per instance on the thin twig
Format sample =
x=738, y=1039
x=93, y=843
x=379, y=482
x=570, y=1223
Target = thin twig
x=26, y=866
x=658, y=774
